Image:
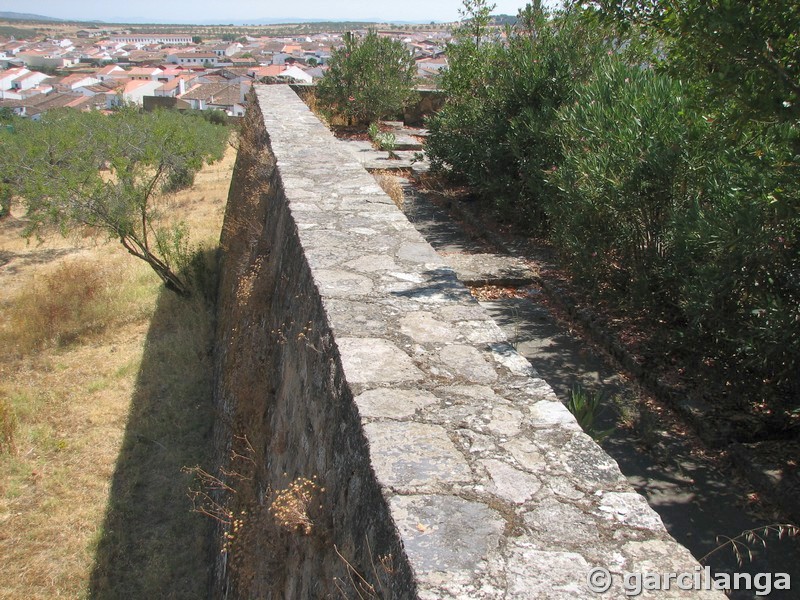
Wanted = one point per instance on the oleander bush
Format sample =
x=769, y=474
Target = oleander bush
x=495, y=132
x=624, y=143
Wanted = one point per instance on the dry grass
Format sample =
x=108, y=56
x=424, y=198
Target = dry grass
x=390, y=184
x=97, y=420
x=70, y=303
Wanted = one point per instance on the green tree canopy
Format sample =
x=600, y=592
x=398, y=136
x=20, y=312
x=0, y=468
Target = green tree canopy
x=744, y=54
x=369, y=78
x=87, y=169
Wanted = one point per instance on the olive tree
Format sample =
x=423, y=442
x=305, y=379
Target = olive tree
x=111, y=173
x=369, y=78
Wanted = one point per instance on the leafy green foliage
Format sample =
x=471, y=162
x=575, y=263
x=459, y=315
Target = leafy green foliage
x=726, y=176
x=369, y=78
x=76, y=169
x=744, y=55
x=587, y=407
x=623, y=140
x=383, y=140
x=658, y=144
x=495, y=131
x=739, y=253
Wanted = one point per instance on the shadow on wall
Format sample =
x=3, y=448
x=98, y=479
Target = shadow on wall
x=152, y=545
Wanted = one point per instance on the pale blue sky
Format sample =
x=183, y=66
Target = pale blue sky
x=241, y=10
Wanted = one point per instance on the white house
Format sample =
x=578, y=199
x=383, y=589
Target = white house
x=177, y=40
x=145, y=73
x=296, y=73
x=110, y=72
x=28, y=80
x=224, y=50
x=6, y=77
x=228, y=97
x=39, y=58
x=174, y=88
x=76, y=80
x=136, y=89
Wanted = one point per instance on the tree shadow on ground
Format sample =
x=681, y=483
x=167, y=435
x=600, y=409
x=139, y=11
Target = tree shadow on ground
x=152, y=545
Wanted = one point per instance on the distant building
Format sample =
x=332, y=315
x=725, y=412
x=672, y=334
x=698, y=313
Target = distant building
x=195, y=59
x=228, y=97
x=180, y=40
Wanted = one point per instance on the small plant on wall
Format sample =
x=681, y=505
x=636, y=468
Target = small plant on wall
x=586, y=407
x=383, y=140
x=293, y=506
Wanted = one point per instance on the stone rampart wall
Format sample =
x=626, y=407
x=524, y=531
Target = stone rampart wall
x=439, y=464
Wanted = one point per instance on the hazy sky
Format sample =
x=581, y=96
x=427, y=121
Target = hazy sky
x=159, y=11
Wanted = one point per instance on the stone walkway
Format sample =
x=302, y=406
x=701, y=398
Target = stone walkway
x=695, y=500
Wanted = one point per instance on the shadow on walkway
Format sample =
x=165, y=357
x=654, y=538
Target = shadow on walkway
x=700, y=505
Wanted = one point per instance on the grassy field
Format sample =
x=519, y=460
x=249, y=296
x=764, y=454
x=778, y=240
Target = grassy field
x=105, y=395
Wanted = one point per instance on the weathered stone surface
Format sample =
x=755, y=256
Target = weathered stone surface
x=372, y=360
x=372, y=263
x=415, y=456
x=535, y=574
x=549, y=414
x=510, y=484
x=425, y=328
x=336, y=283
x=389, y=403
x=449, y=538
x=467, y=364
x=526, y=454
x=631, y=509
x=563, y=524
x=419, y=252
x=505, y=354
x=483, y=268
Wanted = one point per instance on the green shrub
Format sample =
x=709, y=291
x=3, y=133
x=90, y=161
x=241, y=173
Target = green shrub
x=5, y=200
x=369, y=78
x=495, y=132
x=587, y=407
x=665, y=171
x=676, y=213
x=739, y=251
x=624, y=142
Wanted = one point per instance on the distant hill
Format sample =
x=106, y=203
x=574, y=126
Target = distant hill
x=15, y=16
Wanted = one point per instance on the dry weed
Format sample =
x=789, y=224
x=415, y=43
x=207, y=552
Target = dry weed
x=58, y=309
x=292, y=507
x=8, y=426
x=391, y=185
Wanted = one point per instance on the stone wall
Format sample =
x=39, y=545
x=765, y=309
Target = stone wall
x=439, y=464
